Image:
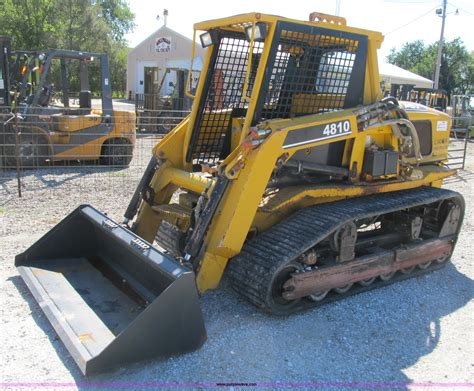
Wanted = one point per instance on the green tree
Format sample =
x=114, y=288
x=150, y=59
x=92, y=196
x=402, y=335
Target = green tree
x=118, y=17
x=411, y=53
x=457, y=64
x=30, y=23
x=118, y=68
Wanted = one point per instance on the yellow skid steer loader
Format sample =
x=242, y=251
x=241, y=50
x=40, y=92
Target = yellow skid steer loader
x=290, y=175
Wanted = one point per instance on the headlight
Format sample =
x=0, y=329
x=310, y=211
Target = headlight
x=260, y=32
x=208, y=38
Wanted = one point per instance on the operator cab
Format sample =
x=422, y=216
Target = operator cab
x=300, y=69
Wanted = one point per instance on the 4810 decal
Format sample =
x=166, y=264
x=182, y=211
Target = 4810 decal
x=337, y=128
x=316, y=133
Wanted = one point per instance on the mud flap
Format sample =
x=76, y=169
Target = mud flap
x=111, y=297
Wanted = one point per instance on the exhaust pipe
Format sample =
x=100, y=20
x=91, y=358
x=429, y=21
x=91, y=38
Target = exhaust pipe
x=111, y=297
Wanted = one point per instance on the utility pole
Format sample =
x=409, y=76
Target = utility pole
x=440, y=46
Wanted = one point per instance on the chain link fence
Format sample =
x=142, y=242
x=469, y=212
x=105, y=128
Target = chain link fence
x=80, y=155
x=158, y=114
x=83, y=155
x=462, y=133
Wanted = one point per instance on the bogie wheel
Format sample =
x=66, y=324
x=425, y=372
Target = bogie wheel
x=443, y=259
x=407, y=270
x=32, y=149
x=116, y=152
x=425, y=265
x=276, y=302
x=387, y=276
x=343, y=289
x=318, y=296
x=367, y=282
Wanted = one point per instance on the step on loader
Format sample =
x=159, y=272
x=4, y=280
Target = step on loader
x=291, y=175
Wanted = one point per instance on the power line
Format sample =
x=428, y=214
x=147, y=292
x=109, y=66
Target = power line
x=462, y=9
x=409, y=1
x=414, y=20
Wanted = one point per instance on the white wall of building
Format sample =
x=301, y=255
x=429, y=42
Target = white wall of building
x=164, y=48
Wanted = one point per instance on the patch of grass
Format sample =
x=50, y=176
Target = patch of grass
x=118, y=173
x=2, y=210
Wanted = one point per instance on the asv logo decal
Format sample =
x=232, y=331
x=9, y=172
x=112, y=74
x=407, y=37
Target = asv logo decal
x=337, y=128
x=139, y=244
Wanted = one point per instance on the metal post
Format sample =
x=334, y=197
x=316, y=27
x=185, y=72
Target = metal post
x=64, y=82
x=466, y=139
x=17, y=145
x=440, y=47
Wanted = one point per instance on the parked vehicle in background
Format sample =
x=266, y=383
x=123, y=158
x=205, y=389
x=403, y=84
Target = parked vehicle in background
x=49, y=124
x=462, y=113
x=160, y=113
x=435, y=98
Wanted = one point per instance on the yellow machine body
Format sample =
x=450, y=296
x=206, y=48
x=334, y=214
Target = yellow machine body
x=244, y=209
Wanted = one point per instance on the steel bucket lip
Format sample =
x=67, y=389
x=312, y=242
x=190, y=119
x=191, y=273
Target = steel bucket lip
x=90, y=364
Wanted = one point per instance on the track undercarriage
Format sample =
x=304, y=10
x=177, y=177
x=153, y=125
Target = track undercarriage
x=329, y=251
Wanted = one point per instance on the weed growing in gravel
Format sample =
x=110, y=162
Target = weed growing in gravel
x=118, y=173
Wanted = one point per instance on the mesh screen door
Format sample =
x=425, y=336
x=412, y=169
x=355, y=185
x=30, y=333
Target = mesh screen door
x=211, y=137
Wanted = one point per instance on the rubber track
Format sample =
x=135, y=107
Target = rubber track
x=168, y=237
x=251, y=271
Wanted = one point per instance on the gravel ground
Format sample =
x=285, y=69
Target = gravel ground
x=417, y=331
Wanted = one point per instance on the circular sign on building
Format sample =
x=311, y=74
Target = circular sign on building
x=163, y=44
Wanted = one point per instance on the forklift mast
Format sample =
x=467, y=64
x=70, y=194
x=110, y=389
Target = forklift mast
x=84, y=95
x=5, y=49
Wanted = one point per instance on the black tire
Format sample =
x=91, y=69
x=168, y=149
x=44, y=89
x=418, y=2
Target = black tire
x=164, y=129
x=33, y=150
x=166, y=125
x=117, y=153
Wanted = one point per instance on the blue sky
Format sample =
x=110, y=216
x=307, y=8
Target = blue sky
x=391, y=17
